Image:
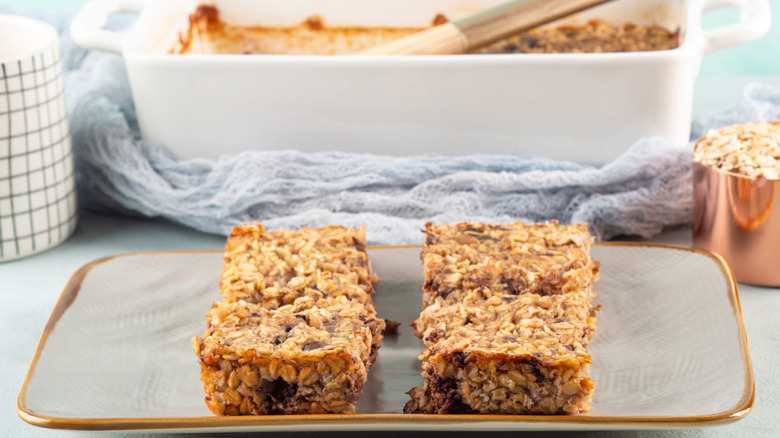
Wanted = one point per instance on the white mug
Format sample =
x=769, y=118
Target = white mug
x=38, y=206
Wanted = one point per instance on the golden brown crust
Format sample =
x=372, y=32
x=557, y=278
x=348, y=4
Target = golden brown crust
x=207, y=33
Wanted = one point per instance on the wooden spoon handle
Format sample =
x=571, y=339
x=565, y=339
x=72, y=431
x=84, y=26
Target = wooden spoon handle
x=483, y=28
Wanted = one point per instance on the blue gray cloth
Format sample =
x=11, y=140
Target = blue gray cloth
x=642, y=192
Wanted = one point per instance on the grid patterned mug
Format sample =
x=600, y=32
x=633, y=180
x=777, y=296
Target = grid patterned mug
x=38, y=207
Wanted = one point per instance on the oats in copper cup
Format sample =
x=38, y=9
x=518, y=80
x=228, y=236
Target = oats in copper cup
x=750, y=149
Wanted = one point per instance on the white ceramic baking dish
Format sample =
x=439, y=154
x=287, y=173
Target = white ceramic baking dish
x=582, y=107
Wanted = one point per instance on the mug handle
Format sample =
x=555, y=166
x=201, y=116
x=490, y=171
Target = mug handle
x=755, y=19
x=86, y=29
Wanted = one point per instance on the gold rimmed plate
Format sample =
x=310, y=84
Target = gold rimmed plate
x=670, y=350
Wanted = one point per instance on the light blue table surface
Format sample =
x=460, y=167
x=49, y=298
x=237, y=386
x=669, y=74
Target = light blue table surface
x=29, y=288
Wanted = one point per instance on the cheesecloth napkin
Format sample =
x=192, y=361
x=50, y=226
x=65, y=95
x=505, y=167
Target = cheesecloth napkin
x=642, y=192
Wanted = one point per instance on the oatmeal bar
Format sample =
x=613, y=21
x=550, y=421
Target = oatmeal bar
x=274, y=268
x=307, y=357
x=510, y=354
x=482, y=306
x=510, y=259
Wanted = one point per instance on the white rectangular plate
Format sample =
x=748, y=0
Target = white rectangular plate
x=670, y=349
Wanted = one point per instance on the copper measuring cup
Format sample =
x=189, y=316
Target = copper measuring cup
x=738, y=217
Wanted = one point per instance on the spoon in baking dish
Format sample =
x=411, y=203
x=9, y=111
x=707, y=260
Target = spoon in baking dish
x=483, y=28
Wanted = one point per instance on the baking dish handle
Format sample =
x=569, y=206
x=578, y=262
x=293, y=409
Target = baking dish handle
x=755, y=19
x=86, y=29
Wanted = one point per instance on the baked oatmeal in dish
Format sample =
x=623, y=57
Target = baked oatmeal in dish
x=273, y=268
x=507, y=317
x=209, y=34
x=308, y=357
x=596, y=36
